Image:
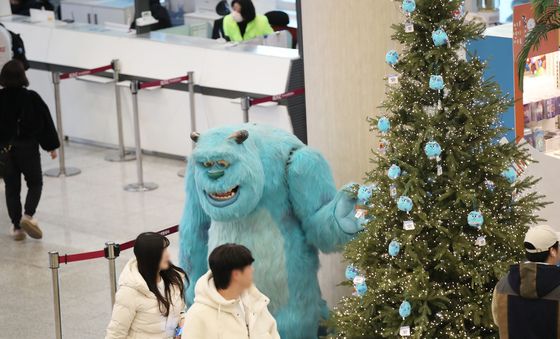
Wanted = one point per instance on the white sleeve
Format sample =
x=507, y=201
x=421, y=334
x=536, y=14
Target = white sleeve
x=124, y=312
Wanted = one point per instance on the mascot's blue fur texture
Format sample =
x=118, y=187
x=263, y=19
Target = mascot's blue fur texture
x=261, y=187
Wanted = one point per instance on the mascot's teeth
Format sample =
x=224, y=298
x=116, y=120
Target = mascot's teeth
x=223, y=196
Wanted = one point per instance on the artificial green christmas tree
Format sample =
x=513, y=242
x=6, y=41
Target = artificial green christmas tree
x=446, y=209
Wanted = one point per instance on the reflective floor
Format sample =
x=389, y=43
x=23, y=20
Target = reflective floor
x=80, y=214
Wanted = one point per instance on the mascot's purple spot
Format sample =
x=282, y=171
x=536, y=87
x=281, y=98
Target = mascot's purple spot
x=261, y=187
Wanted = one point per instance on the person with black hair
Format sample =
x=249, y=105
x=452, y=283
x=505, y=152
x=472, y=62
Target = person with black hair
x=227, y=305
x=150, y=300
x=526, y=302
x=25, y=125
x=243, y=23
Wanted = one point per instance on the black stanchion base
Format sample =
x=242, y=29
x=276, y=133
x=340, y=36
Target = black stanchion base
x=116, y=156
x=147, y=186
x=66, y=172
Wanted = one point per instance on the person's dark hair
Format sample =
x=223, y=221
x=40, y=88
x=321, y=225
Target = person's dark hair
x=540, y=256
x=13, y=75
x=225, y=259
x=248, y=11
x=148, y=250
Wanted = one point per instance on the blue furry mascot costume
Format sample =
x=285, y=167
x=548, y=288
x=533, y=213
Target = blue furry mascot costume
x=263, y=188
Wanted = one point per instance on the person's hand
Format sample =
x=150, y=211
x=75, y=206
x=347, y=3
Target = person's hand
x=53, y=154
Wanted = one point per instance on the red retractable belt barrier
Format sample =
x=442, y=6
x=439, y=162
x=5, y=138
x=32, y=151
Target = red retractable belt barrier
x=161, y=83
x=71, y=75
x=68, y=258
x=278, y=97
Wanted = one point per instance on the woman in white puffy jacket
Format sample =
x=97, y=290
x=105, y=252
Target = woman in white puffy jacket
x=149, y=303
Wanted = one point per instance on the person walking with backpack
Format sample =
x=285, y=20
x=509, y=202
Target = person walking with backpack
x=25, y=124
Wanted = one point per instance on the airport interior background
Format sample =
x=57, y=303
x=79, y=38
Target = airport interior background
x=129, y=99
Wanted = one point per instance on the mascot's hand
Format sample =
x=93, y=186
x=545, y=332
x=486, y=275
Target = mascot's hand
x=345, y=211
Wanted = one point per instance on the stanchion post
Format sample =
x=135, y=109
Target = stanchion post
x=121, y=154
x=140, y=185
x=112, y=252
x=54, y=265
x=181, y=172
x=62, y=169
x=245, y=106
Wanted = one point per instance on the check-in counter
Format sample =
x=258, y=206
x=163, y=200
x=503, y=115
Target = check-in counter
x=223, y=73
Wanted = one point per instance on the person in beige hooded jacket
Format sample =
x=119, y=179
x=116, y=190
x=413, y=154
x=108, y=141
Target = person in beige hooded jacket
x=148, y=311
x=227, y=305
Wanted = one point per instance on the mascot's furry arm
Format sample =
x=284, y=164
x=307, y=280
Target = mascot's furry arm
x=327, y=216
x=194, y=236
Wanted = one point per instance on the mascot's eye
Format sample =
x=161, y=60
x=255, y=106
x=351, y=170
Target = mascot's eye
x=223, y=163
x=208, y=164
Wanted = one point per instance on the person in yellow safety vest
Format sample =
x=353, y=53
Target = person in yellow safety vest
x=243, y=23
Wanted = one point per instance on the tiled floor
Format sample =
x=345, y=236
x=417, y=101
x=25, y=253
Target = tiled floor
x=78, y=214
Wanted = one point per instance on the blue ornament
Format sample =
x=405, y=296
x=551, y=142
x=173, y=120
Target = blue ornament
x=432, y=149
x=392, y=57
x=404, y=204
x=361, y=289
x=394, y=248
x=383, y=125
x=405, y=309
x=364, y=193
x=475, y=219
x=436, y=82
x=439, y=37
x=394, y=172
x=490, y=185
x=510, y=174
x=351, y=272
x=408, y=6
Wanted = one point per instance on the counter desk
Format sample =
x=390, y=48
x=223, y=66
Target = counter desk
x=223, y=73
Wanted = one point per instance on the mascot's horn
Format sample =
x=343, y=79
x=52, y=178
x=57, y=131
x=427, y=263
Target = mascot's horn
x=195, y=136
x=240, y=136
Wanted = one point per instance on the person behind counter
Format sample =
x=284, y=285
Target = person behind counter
x=243, y=23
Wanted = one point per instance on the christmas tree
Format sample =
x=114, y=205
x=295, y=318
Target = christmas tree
x=445, y=210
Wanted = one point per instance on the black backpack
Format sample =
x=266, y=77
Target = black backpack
x=18, y=49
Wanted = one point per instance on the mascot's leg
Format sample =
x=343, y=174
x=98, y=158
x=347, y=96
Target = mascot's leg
x=193, y=236
x=297, y=322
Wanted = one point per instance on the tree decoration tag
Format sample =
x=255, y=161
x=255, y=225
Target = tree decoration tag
x=393, y=190
x=408, y=27
x=439, y=170
x=480, y=241
x=394, y=172
x=360, y=286
x=430, y=111
x=408, y=225
x=490, y=185
x=360, y=213
x=404, y=331
x=383, y=145
x=393, y=79
x=405, y=309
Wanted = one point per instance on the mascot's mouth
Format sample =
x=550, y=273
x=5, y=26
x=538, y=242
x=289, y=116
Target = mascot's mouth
x=221, y=199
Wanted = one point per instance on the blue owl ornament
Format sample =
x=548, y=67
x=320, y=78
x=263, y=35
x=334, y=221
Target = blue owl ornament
x=405, y=204
x=439, y=37
x=510, y=174
x=475, y=219
x=384, y=125
x=351, y=272
x=436, y=82
x=394, y=172
x=405, y=309
x=392, y=57
x=364, y=193
x=432, y=149
x=409, y=6
x=394, y=248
